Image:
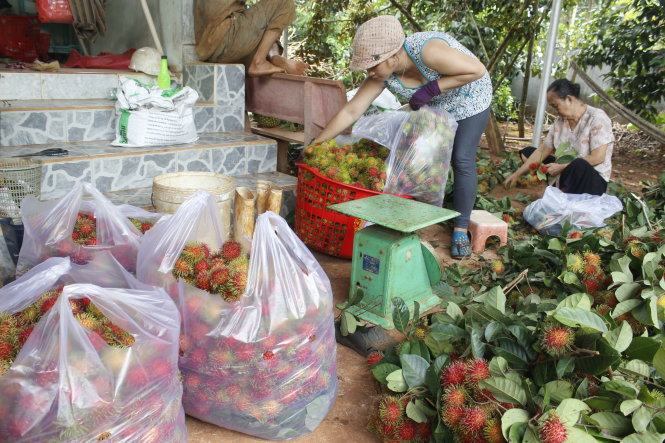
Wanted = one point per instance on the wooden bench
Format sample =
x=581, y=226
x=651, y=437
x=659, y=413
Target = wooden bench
x=311, y=102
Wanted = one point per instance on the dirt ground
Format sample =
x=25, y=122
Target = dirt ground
x=347, y=421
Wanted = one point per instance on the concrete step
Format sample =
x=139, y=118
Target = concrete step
x=141, y=197
x=112, y=168
x=28, y=122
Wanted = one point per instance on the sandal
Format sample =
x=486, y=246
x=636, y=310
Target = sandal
x=460, y=246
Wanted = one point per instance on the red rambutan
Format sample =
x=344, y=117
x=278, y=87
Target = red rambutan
x=553, y=430
x=391, y=411
x=374, y=358
x=230, y=250
x=454, y=396
x=557, y=340
x=6, y=351
x=452, y=416
x=455, y=374
x=478, y=370
x=24, y=334
x=473, y=421
x=406, y=431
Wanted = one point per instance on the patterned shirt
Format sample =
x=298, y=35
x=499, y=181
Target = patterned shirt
x=462, y=102
x=593, y=130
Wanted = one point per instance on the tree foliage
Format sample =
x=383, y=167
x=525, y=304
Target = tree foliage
x=628, y=36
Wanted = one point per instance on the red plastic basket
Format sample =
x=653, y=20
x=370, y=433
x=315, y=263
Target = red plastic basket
x=54, y=11
x=21, y=38
x=317, y=226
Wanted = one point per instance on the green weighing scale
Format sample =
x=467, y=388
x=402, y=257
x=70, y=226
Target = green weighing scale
x=389, y=260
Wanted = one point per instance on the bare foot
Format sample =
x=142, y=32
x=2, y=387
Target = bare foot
x=294, y=67
x=263, y=67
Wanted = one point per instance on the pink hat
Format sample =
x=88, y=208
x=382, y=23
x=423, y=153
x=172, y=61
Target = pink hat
x=376, y=40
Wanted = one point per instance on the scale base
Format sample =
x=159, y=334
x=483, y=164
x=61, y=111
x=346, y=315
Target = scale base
x=426, y=303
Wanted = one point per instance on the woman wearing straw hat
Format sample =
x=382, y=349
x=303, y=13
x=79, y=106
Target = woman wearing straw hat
x=426, y=68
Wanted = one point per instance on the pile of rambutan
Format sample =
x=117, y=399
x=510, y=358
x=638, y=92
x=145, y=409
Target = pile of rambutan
x=472, y=413
x=142, y=225
x=391, y=423
x=588, y=267
x=85, y=229
x=222, y=272
x=16, y=328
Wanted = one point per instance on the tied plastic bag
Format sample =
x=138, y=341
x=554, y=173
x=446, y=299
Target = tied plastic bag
x=71, y=382
x=421, y=147
x=72, y=227
x=142, y=220
x=264, y=365
x=556, y=208
x=149, y=116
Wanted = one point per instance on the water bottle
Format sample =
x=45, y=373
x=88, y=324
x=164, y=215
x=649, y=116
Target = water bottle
x=164, y=78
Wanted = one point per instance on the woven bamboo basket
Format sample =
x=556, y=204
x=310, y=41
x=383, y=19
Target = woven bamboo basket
x=19, y=178
x=170, y=190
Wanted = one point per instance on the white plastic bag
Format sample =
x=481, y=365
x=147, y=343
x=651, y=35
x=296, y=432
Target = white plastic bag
x=48, y=228
x=386, y=101
x=71, y=384
x=264, y=365
x=149, y=116
x=421, y=147
x=141, y=219
x=549, y=213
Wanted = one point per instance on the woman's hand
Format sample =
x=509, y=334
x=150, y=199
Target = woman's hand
x=554, y=169
x=511, y=181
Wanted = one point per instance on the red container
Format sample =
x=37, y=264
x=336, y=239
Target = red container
x=21, y=38
x=54, y=11
x=317, y=226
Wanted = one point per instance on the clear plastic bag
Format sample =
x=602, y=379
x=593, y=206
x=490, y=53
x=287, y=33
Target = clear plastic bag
x=421, y=148
x=49, y=226
x=549, y=213
x=70, y=384
x=266, y=364
x=142, y=220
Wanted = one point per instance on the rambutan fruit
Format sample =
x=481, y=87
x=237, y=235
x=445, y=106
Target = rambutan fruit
x=203, y=281
x=455, y=396
x=91, y=242
x=591, y=258
x=498, y=267
x=374, y=358
x=421, y=331
x=230, y=250
x=454, y=374
x=182, y=268
x=406, y=431
x=219, y=276
x=492, y=431
x=575, y=263
x=452, y=416
x=637, y=250
x=575, y=235
x=591, y=285
x=8, y=327
x=473, y=421
x=6, y=350
x=603, y=309
x=553, y=430
x=48, y=304
x=423, y=431
x=24, y=334
x=477, y=370
x=533, y=166
x=145, y=227
x=557, y=340
x=196, y=251
x=197, y=357
x=391, y=411
x=591, y=270
x=543, y=169
x=201, y=267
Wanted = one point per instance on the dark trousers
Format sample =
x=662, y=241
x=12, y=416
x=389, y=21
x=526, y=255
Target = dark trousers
x=579, y=177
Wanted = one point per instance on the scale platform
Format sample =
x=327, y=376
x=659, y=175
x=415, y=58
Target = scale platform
x=389, y=260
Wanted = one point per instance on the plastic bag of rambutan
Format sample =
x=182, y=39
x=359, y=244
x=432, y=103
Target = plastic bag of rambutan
x=141, y=219
x=262, y=363
x=81, y=363
x=76, y=228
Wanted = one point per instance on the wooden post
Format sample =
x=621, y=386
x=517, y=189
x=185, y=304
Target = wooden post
x=493, y=135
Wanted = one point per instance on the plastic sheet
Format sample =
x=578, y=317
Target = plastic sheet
x=264, y=365
x=421, y=147
x=103, y=60
x=54, y=11
x=70, y=384
x=549, y=213
x=49, y=225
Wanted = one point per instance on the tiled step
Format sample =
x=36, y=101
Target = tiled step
x=112, y=168
x=141, y=197
x=65, y=84
x=29, y=122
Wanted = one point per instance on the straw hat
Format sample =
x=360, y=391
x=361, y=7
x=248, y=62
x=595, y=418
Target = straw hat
x=376, y=40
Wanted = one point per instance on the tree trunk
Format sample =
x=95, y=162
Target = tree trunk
x=525, y=85
x=493, y=135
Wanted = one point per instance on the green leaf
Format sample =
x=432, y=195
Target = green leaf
x=477, y=344
x=559, y=390
x=637, y=367
x=601, y=403
x=446, y=331
x=415, y=413
x=643, y=348
x=622, y=387
x=512, y=416
x=577, y=435
x=454, y=311
x=555, y=245
x=598, y=364
x=531, y=436
x=564, y=366
x=400, y=314
x=570, y=409
x=625, y=306
x=627, y=291
x=620, y=338
x=382, y=370
x=570, y=278
x=492, y=329
x=622, y=277
x=496, y=299
x=505, y=390
x=645, y=437
x=348, y=323
x=396, y=382
x=357, y=296
x=498, y=367
x=659, y=361
x=433, y=375
x=580, y=317
x=579, y=300
x=414, y=369
x=622, y=265
x=516, y=432
x=627, y=407
x=641, y=419
x=416, y=310
x=611, y=423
